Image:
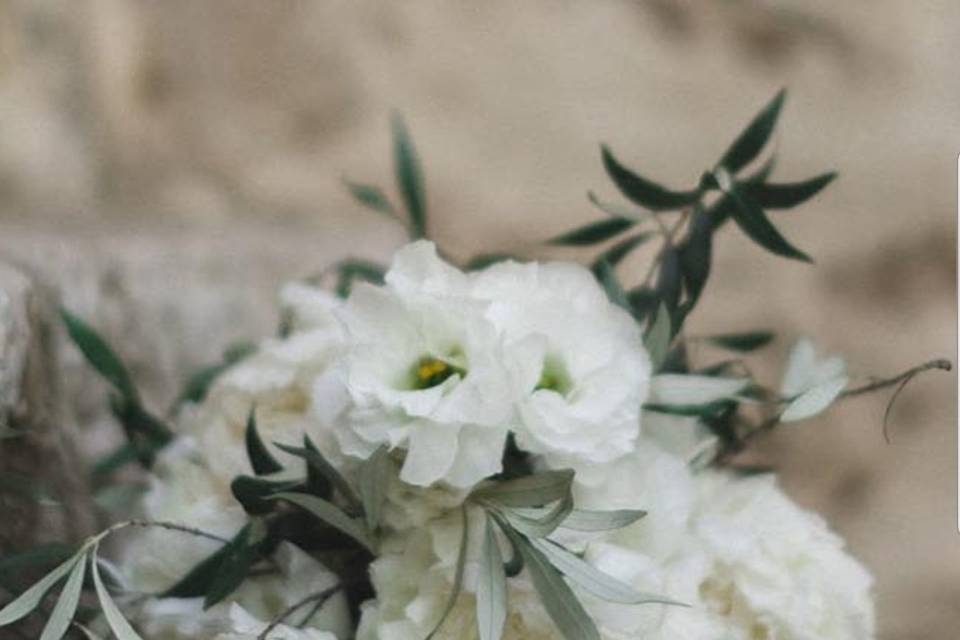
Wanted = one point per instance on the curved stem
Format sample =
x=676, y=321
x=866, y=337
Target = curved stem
x=319, y=597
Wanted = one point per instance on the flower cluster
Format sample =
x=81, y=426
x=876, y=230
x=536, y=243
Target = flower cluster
x=450, y=371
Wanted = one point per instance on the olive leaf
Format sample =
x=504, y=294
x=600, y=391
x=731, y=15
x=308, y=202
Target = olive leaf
x=592, y=579
x=754, y=137
x=658, y=337
x=787, y=195
x=409, y=177
x=319, y=465
x=353, y=269
x=533, y=490
x=644, y=192
x=100, y=355
x=541, y=524
x=754, y=222
x=66, y=607
x=115, y=620
x=814, y=400
x=491, y=601
x=197, y=386
x=261, y=459
x=29, y=599
x=458, y=572
x=234, y=566
x=593, y=233
x=330, y=514
x=615, y=254
x=742, y=342
x=371, y=197
x=373, y=477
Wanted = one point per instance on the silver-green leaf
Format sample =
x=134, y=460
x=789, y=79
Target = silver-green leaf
x=29, y=599
x=458, y=573
x=372, y=482
x=528, y=491
x=66, y=607
x=118, y=624
x=491, y=587
x=331, y=514
x=658, y=337
x=592, y=579
x=814, y=400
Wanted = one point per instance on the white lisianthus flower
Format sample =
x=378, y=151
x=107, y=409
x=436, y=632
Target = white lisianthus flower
x=580, y=372
x=422, y=372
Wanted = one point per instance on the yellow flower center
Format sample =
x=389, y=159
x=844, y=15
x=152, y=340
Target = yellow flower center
x=430, y=371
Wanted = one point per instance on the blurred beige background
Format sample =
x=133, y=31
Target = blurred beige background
x=168, y=164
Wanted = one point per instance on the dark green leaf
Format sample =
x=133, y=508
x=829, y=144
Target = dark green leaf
x=669, y=282
x=485, y=260
x=658, y=337
x=330, y=514
x=643, y=302
x=319, y=465
x=351, y=270
x=611, y=284
x=409, y=177
x=198, y=384
x=260, y=457
x=616, y=210
x=99, y=355
x=232, y=569
x=754, y=222
x=198, y=580
x=743, y=342
x=119, y=457
x=642, y=191
x=372, y=197
x=252, y=492
x=594, y=232
x=695, y=255
x=752, y=139
x=787, y=194
x=709, y=410
x=615, y=254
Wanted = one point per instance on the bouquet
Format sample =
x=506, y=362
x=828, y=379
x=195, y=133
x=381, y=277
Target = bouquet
x=501, y=448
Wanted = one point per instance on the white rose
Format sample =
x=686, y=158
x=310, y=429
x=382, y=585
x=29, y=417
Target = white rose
x=778, y=570
x=579, y=370
x=422, y=372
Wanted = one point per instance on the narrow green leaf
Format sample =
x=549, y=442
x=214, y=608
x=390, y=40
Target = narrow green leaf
x=458, y=573
x=542, y=525
x=814, y=400
x=116, y=459
x=642, y=191
x=687, y=389
x=66, y=607
x=373, y=477
x=322, y=467
x=528, y=491
x=99, y=355
x=695, y=255
x=484, y=260
x=563, y=607
x=198, y=384
x=615, y=254
x=587, y=520
x=658, y=337
x=742, y=342
x=197, y=581
x=491, y=587
x=117, y=623
x=233, y=568
x=29, y=599
x=371, y=197
x=754, y=137
x=349, y=271
x=668, y=285
x=252, y=492
x=409, y=177
x=260, y=457
x=592, y=579
x=593, y=233
x=616, y=210
x=330, y=514
x=788, y=194
x=703, y=411
x=754, y=222
x=611, y=284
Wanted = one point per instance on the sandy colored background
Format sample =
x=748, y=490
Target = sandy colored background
x=167, y=165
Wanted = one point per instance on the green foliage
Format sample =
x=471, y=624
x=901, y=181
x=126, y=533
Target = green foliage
x=261, y=459
x=145, y=433
x=409, y=177
x=743, y=342
x=644, y=192
x=593, y=233
x=198, y=384
x=352, y=270
x=754, y=137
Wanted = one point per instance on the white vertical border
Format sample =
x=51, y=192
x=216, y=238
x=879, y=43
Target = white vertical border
x=957, y=355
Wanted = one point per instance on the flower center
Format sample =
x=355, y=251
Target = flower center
x=429, y=371
x=554, y=376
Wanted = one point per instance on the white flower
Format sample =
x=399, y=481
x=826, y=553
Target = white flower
x=422, y=372
x=777, y=570
x=579, y=371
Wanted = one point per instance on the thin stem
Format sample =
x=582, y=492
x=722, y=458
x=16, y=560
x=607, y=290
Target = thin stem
x=170, y=526
x=940, y=363
x=320, y=597
x=668, y=235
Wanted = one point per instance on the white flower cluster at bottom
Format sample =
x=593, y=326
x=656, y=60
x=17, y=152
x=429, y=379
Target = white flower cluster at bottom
x=440, y=366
